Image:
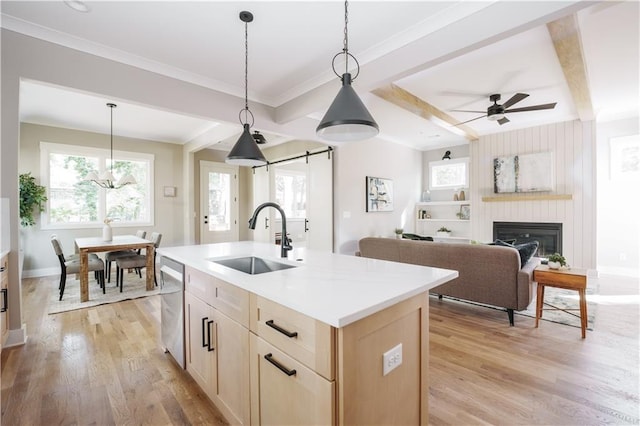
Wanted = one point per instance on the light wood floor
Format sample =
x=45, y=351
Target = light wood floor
x=104, y=365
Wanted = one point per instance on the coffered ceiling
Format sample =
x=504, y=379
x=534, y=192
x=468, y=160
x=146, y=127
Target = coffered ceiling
x=420, y=61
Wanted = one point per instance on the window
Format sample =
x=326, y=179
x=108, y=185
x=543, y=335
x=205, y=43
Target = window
x=291, y=193
x=83, y=204
x=449, y=174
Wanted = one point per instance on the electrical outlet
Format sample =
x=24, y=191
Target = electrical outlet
x=391, y=359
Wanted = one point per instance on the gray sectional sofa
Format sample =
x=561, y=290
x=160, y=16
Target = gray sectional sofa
x=488, y=274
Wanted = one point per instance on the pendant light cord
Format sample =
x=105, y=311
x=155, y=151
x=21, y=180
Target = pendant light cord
x=345, y=48
x=111, y=106
x=246, y=66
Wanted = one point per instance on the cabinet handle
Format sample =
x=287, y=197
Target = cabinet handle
x=204, y=336
x=266, y=223
x=306, y=225
x=209, y=348
x=2, y=268
x=4, y=300
x=281, y=330
x=285, y=370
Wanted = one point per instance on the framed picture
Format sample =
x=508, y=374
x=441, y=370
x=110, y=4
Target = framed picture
x=379, y=194
x=169, y=191
x=465, y=211
x=625, y=158
x=523, y=173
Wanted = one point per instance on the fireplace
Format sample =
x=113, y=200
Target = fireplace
x=548, y=235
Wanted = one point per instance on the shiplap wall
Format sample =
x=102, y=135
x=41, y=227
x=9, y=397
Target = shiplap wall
x=573, y=145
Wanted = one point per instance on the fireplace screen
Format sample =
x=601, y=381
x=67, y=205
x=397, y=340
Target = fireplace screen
x=548, y=235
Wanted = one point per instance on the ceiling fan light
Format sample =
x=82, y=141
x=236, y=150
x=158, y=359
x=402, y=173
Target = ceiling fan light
x=347, y=119
x=246, y=152
x=495, y=117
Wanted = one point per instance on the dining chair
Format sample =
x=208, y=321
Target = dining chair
x=76, y=256
x=73, y=266
x=113, y=255
x=136, y=261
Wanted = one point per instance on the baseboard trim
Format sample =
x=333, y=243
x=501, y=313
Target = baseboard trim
x=43, y=272
x=16, y=337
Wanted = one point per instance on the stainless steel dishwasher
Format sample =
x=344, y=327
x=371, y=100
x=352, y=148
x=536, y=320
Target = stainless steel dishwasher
x=172, y=308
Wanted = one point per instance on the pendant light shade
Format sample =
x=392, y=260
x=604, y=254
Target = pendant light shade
x=106, y=179
x=347, y=119
x=246, y=151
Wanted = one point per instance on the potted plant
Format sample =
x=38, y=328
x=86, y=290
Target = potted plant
x=398, y=232
x=556, y=261
x=443, y=232
x=31, y=195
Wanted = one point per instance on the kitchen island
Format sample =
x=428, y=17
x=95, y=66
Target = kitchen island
x=331, y=339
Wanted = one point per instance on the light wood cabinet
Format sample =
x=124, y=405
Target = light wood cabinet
x=218, y=344
x=285, y=391
x=4, y=288
x=200, y=335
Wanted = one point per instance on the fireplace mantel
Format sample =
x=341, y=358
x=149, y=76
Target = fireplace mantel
x=533, y=197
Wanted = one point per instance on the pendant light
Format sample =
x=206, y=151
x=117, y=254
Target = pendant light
x=246, y=152
x=347, y=119
x=106, y=179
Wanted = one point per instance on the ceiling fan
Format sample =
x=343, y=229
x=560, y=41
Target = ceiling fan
x=496, y=112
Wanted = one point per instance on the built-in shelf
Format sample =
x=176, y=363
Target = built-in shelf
x=443, y=203
x=536, y=197
x=443, y=220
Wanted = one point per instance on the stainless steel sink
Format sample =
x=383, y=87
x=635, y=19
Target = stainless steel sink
x=252, y=265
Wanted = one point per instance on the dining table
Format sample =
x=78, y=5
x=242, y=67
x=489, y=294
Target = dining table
x=86, y=245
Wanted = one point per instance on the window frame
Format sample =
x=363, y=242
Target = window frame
x=103, y=155
x=436, y=164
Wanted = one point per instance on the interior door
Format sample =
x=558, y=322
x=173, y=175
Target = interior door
x=218, y=202
x=261, y=194
x=319, y=223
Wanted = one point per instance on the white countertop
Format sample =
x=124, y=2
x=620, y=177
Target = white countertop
x=335, y=289
x=4, y=252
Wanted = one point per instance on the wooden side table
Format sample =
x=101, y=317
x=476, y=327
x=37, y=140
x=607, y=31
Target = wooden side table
x=570, y=279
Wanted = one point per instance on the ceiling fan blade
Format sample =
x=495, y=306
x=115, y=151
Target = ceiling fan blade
x=466, y=110
x=473, y=119
x=503, y=120
x=514, y=100
x=532, y=108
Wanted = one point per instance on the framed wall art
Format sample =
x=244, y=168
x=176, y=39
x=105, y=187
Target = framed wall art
x=379, y=194
x=524, y=173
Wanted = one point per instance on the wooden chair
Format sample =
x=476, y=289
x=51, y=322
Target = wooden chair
x=73, y=266
x=111, y=256
x=136, y=261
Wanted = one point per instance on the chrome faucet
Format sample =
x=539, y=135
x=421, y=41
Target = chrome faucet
x=284, y=240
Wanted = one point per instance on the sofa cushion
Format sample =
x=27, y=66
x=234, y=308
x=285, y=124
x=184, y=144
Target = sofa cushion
x=526, y=250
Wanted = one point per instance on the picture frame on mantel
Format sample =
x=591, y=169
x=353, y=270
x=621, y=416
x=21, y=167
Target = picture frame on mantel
x=524, y=173
x=379, y=194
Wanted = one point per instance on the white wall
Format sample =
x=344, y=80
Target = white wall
x=618, y=206
x=168, y=211
x=355, y=160
x=573, y=146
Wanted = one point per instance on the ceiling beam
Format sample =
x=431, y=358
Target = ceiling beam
x=408, y=101
x=565, y=34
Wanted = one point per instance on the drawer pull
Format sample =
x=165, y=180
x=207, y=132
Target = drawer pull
x=209, y=348
x=282, y=330
x=204, y=335
x=2, y=268
x=285, y=370
x=5, y=303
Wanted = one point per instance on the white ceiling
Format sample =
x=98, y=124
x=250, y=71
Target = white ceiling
x=452, y=55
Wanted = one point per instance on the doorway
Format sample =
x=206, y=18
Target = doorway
x=218, y=202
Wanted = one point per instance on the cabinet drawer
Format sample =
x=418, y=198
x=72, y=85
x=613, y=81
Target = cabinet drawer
x=307, y=340
x=287, y=392
x=199, y=284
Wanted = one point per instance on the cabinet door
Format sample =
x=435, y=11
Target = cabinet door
x=4, y=280
x=287, y=392
x=201, y=354
x=232, y=355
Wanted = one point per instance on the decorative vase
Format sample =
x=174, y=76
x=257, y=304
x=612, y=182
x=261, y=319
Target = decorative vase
x=554, y=265
x=107, y=233
x=443, y=234
x=461, y=196
x=398, y=236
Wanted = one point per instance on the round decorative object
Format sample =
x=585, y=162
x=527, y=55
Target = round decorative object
x=554, y=265
x=455, y=197
x=107, y=233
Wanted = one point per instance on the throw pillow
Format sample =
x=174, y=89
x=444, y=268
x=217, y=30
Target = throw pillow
x=526, y=250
